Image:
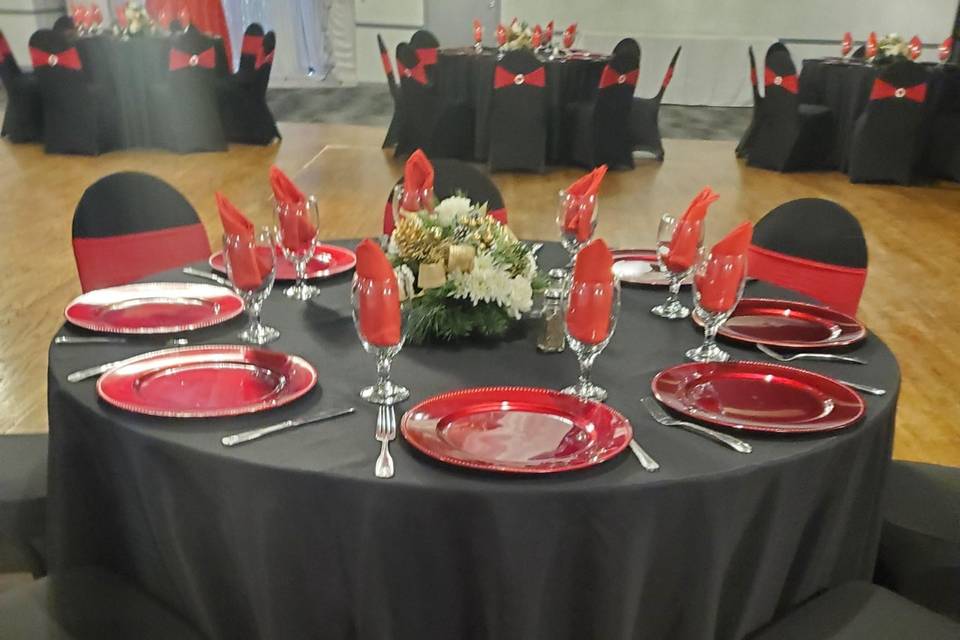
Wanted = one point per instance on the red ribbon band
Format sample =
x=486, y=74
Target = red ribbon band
x=503, y=78
x=69, y=59
x=611, y=76
x=182, y=59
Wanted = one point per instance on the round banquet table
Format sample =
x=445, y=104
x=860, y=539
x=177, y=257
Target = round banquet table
x=845, y=86
x=464, y=77
x=293, y=537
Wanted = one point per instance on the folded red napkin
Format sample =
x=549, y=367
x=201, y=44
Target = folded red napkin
x=247, y=266
x=548, y=34
x=847, y=43
x=719, y=283
x=298, y=232
x=501, y=35
x=569, y=35
x=537, y=37
x=686, y=237
x=577, y=219
x=871, y=49
x=943, y=51
x=477, y=31
x=591, y=294
x=417, y=179
x=379, y=305
x=916, y=47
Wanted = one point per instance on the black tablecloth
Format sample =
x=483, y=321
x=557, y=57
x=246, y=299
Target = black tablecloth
x=293, y=537
x=464, y=77
x=126, y=69
x=845, y=87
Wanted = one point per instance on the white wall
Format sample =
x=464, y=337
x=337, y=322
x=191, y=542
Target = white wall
x=395, y=20
x=20, y=18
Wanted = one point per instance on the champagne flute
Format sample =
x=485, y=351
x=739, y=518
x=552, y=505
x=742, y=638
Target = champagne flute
x=382, y=329
x=587, y=345
x=672, y=308
x=577, y=220
x=717, y=288
x=298, y=239
x=251, y=266
x=410, y=201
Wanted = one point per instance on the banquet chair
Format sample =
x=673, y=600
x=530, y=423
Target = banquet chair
x=75, y=110
x=455, y=177
x=885, y=142
x=88, y=604
x=128, y=225
x=518, y=114
x=814, y=247
x=23, y=119
x=419, y=104
x=859, y=53
x=391, y=138
x=645, y=116
x=64, y=25
x=427, y=46
x=244, y=110
x=185, y=105
x=250, y=48
x=743, y=147
x=23, y=503
x=789, y=135
x=919, y=556
x=601, y=127
x=859, y=611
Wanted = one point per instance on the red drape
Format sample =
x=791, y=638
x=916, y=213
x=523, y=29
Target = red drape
x=206, y=15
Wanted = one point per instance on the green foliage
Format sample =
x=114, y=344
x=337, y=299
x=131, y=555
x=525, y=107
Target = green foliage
x=434, y=317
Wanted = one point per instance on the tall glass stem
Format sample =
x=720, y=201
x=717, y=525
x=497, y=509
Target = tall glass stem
x=256, y=305
x=586, y=365
x=383, y=368
x=674, y=295
x=710, y=334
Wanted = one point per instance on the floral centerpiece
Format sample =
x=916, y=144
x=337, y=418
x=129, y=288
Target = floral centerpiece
x=464, y=273
x=519, y=36
x=132, y=20
x=892, y=47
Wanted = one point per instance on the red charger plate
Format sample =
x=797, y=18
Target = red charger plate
x=154, y=307
x=640, y=266
x=207, y=381
x=341, y=260
x=792, y=325
x=756, y=396
x=516, y=430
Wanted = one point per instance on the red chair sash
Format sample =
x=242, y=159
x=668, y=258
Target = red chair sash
x=503, y=78
x=4, y=49
x=418, y=73
x=788, y=82
x=252, y=45
x=884, y=90
x=611, y=76
x=69, y=59
x=427, y=56
x=114, y=260
x=667, y=77
x=264, y=58
x=836, y=286
x=385, y=60
x=182, y=59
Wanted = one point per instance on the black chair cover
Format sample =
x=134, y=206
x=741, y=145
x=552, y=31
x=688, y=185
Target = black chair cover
x=23, y=503
x=743, y=147
x=65, y=26
x=426, y=45
x=601, y=133
x=628, y=47
x=245, y=115
x=813, y=229
x=789, y=136
x=885, y=145
x=186, y=106
x=250, y=47
x=859, y=53
x=860, y=611
x=75, y=111
x=645, y=116
x=943, y=148
x=919, y=554
x=419, y=104
x=518, y=114
x=391, y=138
x=88, y=604
x=23, y=119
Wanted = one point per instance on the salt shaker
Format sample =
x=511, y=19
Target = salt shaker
x=552, y=338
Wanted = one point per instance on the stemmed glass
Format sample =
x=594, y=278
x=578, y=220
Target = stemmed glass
x=717, y=287
x=370, y=300
x=252, y=266
x=298, y=239
x=587, y=350
x=404, y=200
x=672, y=308
x=577, y=219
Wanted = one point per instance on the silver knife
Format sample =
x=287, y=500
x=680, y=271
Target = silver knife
x=865, y=388
x=197, y=273
x=93, y=372
x=255, y=434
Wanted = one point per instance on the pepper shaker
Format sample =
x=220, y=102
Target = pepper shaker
x=552, y=338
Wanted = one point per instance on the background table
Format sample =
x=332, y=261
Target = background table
x=293, y=537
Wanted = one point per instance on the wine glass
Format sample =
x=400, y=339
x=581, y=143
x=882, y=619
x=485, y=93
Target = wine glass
x=298, y=239
x=677, y=271
x=577, y=219
x=717, y=287
x=381, y=323
x=588, y=342
x=251, y=266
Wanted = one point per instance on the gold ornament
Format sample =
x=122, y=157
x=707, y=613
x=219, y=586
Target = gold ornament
x=432, y=275
x=416, y=243
x=461, y=257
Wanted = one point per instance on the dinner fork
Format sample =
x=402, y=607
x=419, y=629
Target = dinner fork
x=384, y=465
x=173, y=342
x=660, y=415
x=827, y=357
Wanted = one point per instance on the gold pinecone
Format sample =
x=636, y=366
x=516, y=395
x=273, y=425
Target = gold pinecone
x=417, y=243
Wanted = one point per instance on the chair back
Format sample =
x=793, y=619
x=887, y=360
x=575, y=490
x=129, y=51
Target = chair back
x=192, y=55
x=66, y=26
x=128, y=225
x=9, y=69
x=859, y=53
x=668, y=74
x=629, y=47
x=419, y=105
x=264, y=63
x=250, y=47
x=780, y=80
x=812, y=246
x=754, y=81
x=55, y=58
x=455, y=177
x=387, y=68
x=900, y=88
x=518, y=113
x=426, y=46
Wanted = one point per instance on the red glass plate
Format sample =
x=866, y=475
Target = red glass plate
x=756, y=396
x=516, y=430
x=207, y=381
x=339, y=261
x=640, y=266
x=154, y=307
x=792, y=325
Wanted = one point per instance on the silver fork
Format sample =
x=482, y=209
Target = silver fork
x=827, y=357
x=661, y=416
x=384, y=465
x=173, y=342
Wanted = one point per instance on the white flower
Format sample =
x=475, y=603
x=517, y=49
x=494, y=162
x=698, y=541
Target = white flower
x=452, y=208
x=405, y=279
x=489, y=282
